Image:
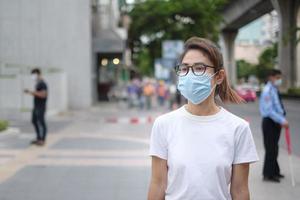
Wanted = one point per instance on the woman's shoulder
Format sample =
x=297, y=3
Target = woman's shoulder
x=235, y=119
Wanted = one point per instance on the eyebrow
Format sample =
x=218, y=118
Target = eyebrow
x=198, y=63
x=193, y=63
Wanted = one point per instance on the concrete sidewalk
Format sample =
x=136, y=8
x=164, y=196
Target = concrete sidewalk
x=284, y=190
x=90, y=158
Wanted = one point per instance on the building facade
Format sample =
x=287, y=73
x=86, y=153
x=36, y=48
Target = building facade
x=72, y=37
x=50, y=34
x=109, y=47
x=256, y=36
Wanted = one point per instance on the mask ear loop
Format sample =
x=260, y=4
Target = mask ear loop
x=213, y=74
x=215, y=85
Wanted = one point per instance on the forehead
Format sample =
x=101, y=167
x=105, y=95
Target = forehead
x=194, y=56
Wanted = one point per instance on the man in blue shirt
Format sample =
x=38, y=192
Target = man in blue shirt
x=273, y=113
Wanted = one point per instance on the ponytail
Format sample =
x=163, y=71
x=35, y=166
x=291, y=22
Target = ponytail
x=227, y=94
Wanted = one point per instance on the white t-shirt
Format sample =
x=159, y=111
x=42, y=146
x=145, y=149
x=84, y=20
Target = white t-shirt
x=200, y=152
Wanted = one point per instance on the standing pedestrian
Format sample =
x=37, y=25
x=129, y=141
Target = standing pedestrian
x=39, y=110
x=161, y=93
x=132, y=94
x=201, y=150
x=273, y=113
x=172, y=92
x=140, y=94
x=148, y=94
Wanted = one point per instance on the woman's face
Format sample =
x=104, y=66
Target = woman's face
x=196, y=56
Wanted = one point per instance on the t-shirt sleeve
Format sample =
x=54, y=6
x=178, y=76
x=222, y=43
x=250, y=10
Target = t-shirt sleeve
x=158, y=142
x=245, y=149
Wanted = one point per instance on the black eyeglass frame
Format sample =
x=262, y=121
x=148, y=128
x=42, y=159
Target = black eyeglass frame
x=192, y=67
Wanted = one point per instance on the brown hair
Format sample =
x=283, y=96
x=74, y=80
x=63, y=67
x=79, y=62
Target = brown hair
x=225, y=92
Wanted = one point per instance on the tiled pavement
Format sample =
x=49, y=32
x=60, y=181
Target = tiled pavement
x=90, y=158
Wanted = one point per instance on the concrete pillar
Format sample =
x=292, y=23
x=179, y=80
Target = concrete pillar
x=227, y=39
x=298, y=49
x=287, y=12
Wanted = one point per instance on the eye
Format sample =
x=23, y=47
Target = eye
x=199, y=68
x=182, y=68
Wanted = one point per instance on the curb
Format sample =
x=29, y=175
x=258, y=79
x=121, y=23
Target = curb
x=130, y=120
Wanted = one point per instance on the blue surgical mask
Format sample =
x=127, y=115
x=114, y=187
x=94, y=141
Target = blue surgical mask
x=278, y=82
x=195, y=88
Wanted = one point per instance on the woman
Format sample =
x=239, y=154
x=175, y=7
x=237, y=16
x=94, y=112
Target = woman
x=200, y=150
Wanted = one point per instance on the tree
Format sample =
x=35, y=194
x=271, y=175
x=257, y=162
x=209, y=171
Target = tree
x=156, y=20
x=245, y=69
x=144, y=62
x=267, y=60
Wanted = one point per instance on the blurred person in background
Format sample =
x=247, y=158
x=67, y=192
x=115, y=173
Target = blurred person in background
x=273, y=114
x=140, y=96
x=148, y=91
x=39, y=110
x=201, y=150
x=161, y=93
x=172, y=97
x=132, y=91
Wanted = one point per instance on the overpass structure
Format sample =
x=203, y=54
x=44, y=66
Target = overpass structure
x=238, y=13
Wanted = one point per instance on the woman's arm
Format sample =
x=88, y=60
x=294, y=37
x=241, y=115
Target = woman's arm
x=239, y=182
x=158, y=182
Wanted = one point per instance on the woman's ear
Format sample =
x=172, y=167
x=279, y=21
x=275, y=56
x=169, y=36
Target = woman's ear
x=220, y=76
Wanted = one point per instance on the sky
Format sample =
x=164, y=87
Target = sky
x=251, y=31
x=129, y=1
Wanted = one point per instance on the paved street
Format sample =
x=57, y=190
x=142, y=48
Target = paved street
x=101, y=153
x=250, y=112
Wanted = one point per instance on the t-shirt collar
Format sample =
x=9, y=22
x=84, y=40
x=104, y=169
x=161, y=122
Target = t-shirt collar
x=203, y=117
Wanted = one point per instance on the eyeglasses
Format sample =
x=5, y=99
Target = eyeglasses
x=197, y=68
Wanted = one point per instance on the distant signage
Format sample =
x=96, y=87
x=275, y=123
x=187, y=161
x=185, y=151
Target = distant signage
x=162, y=69
x=168, y=63
x=172, y=49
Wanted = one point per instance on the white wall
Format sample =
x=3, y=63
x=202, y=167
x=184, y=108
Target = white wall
x=50, y=33
x=13, y=98
x=250, y=52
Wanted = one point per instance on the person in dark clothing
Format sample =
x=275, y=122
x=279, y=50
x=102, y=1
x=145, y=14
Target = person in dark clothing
x=274, y=118
x=39, y=110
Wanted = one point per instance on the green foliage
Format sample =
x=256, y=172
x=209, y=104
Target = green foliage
x=143, y=62
x=245, y=69
x=294, y=91
x=156, y=20
x=268, y=56
x=267, y=60
x=3, y=125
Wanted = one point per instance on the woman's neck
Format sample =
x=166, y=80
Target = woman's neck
x=207, y=107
